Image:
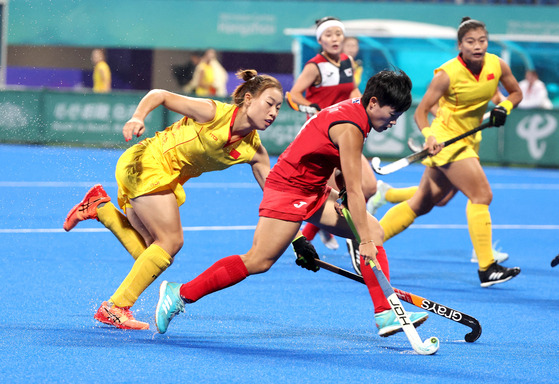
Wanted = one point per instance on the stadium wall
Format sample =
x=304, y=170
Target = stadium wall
x=245, y=26
x=530, y=137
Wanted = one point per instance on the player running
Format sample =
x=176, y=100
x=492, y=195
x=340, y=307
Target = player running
x=296, y=190
x=150, y=175
x=327, y=79
x=462, y=87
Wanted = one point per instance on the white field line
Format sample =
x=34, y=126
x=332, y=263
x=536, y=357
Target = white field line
x=253, y=227
x=34, y=184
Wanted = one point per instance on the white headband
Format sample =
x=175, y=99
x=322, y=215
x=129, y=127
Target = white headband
x=327, y=24
x=469, y=21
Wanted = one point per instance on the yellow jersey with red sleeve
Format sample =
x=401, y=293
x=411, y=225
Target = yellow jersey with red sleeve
x=462, y=107
x=182, y=151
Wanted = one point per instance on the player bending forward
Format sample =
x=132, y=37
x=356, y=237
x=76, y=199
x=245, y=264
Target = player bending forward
x=296, y=190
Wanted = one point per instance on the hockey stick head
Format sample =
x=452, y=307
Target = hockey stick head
x=375, y=163
x=475, y=334
x=428, y=347
x=390, y=168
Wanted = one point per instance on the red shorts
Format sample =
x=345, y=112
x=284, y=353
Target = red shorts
x=291, y=206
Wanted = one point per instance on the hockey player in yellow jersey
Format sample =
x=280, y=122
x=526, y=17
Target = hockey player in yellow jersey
x=463, y=88
x=211, y=136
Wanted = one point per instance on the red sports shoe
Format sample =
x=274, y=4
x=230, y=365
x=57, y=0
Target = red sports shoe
x=118, y=317
x=87, y=208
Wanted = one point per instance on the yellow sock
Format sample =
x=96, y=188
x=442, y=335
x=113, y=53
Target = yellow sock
x=397, y=195
x=397, y=219
x=118, y=224
x=479, y=225
x=151, y=263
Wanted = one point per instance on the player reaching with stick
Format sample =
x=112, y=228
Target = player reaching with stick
x=150, y=175
x=296, y=190
x=462, y=87
x=327, y=79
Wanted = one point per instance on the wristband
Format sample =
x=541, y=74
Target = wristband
x=366, y=242
x=297, y=238
x=507, y=104
x=426, y=132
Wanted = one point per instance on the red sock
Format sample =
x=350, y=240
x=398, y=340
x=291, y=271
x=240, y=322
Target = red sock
x=379, y=300
x=222, y=274
x=310, y=231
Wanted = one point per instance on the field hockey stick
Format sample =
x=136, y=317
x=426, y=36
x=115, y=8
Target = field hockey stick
x=555, y=261
x=299, y=107
x=418, y=301
x=415, y=157
x=416, y=147
x=427, y=347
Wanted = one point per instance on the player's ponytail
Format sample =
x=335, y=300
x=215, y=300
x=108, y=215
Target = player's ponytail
x=254, y=84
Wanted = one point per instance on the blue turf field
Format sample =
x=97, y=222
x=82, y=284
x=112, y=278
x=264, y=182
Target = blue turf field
x=285, y=326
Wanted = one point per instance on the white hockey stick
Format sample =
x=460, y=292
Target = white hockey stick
x=427, y=347
x=417, y=156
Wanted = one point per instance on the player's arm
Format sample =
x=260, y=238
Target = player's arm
x=498, y=97
x=309, y=76
x=436, y=90
x=349, y=140
x=498, y=115
x=260, y=164
x=510, y=84
x=201, y=110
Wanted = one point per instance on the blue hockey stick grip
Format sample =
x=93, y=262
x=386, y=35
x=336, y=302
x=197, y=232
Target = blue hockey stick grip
x=382, y=280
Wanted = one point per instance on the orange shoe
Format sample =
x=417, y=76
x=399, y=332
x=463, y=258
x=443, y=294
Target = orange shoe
x=118, y=317
x=87, y=208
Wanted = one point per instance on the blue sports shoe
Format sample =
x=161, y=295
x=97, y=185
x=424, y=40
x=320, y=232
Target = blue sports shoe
x=388, y=324
x=170, y=304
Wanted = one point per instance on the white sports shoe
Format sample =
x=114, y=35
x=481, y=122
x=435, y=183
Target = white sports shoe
x=497, y=255
x=379, y=198
x=328, y=239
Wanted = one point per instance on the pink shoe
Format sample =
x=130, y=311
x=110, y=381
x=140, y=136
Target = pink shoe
x=87, y=208
x=118, y=317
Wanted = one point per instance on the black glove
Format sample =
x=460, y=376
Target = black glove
x=305, y=254
x=498, y=116
x=315, y=106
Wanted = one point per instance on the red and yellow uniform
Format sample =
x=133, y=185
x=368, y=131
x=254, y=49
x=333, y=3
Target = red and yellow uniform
x=462, y=107
x=182, y=151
